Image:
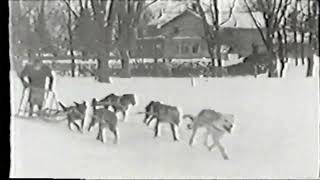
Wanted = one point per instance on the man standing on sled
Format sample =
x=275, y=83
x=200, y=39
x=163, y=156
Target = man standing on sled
x=37, y=74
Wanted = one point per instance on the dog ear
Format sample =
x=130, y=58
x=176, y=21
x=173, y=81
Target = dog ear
x=94, y=102
x=75, y=103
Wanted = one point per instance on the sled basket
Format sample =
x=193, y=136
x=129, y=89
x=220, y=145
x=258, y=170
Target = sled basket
x=47, y=114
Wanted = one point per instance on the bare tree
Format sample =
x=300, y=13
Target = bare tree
x=73, y=19
x=312, y=28
x=303, y=22
x=19, y=27
x=314, y=25
x=273, y=14
x=209, y=33
x=294, y=29
x=70, y=34
x=123, y=17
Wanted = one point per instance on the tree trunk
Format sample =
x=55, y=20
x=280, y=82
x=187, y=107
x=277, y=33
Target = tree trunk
x=218, y=55
x=280, y=55
x=69, y=26
x=208, y=35
x=15, y=13
x=272, y=65
x=295, y=38
x=216, y=28
x=285, y=46
x=155, y=60
x=103, y=70
x=302, y=48
x=73, y=65
x=285, y=38
x=310, y=66
x=273, y=61
x=124, y=55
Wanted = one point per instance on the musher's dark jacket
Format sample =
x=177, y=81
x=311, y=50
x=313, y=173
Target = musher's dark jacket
x=37, y=77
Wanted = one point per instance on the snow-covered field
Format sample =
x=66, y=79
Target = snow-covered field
x=276, y=133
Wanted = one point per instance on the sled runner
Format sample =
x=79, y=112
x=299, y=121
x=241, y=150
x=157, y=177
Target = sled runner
x=48, y=108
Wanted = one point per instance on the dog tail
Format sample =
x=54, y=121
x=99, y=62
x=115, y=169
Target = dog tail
x=191, y=117
x=64, y=108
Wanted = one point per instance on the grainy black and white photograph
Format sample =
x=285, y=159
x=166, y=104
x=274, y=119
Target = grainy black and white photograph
x=166, y=89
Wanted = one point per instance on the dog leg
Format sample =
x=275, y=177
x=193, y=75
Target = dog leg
x=124, y=115
x=91, y=125
x=174, y=132
x=222, y=151
x=40, y=108
x=77, y=126
x=69, y=124
x=212, y=146
x=99, y=137
x=82, y=126
x=31, y=105
x=156, y=129
x=193, y=136
x=148, y=123
x=205, y=143
x=115, y=133
x=147, y=116
x=145, y=120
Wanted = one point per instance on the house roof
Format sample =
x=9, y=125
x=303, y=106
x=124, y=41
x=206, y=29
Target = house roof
x=236, y=20
x=169, y=17
x=244, y=20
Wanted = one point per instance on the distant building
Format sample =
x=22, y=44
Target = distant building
x=180, y=35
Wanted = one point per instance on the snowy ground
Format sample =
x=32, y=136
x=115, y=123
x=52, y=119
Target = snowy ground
x=276, y=133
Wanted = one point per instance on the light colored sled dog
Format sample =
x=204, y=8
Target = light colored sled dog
x=216, y=124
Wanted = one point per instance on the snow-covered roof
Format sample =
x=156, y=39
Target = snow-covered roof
x=168, y=17
x=244, y=20
x=236, y=20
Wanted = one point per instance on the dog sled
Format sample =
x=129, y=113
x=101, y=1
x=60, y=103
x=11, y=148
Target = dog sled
x=47, y=111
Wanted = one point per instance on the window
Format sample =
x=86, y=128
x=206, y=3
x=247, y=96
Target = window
x=254, y=48
x=145, y=32
x=139, y=33
x=158, y=49
x=178, y=48
x=158, y=46
x=195, y=48
x=185, y=48
x=175, y=30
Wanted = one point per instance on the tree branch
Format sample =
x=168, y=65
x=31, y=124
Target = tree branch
x=81, y=6
x=26, y=13
x=283, y=11
x=257, y=26
x=111, y=14
x=230, y=12
x=69, y=7
x=141, y=8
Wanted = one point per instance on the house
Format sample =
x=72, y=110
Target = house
x=177, y=35
x=180, y=35
x=183, y=36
